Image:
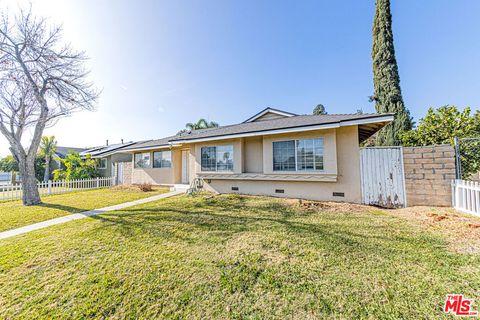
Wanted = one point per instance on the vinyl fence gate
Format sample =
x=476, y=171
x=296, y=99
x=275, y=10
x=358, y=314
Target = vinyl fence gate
x=383, y=177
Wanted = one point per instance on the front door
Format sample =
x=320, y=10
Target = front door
x=185, y=178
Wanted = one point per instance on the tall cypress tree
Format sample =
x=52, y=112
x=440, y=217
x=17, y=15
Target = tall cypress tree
x=386, y=81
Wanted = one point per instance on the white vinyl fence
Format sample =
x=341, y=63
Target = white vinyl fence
x=466, y=196
x=10, y=191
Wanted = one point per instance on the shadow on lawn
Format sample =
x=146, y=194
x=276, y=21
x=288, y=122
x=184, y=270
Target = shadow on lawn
x=181, y=224
x=61, y=207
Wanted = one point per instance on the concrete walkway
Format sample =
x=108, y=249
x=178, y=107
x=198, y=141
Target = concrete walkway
x=85, y=214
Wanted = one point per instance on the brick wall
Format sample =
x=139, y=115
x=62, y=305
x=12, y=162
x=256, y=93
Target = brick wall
x=429, y=172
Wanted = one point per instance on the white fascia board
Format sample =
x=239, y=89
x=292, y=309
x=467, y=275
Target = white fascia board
x=387, y=118
x=380, y=119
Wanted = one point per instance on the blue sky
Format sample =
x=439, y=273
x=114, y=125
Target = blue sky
x=164, y=63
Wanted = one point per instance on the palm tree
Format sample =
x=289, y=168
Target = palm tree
x=47, y=149
x=200, y=124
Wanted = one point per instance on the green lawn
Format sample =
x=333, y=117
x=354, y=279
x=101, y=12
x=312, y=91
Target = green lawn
x=234, y=257
x=13, y=214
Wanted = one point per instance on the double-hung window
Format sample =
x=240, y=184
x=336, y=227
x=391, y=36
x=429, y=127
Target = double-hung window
x=142, y=160
x=162, y=159
x=298, y=155
x=217, y=158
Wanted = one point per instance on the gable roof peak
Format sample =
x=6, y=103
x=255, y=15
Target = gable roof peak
x=274, y=111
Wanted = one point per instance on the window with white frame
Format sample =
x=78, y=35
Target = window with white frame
x=217, y=158
x=102, y=163
x=162, y=159
x=298, y=155
x=142, y=160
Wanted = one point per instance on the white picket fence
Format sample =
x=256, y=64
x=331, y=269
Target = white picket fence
x=466, y=196
x=11, y=192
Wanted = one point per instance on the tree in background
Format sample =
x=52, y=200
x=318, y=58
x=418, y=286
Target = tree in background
x=319, y=110
x=442, y=125
x=47, y=149
x=387, y=92
x=76, y=168
x=8, y=164
x=200, y=124
x=41, y=80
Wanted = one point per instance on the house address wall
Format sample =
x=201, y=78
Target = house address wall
x=429, y=172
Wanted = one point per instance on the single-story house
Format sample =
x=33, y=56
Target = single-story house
x=274, y=152
x=110, y=158
x=61, y=153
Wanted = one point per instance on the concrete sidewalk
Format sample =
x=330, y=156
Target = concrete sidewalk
x=85, y=214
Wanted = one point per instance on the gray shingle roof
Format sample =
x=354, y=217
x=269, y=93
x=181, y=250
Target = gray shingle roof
x=251, y=127
x=149, y=143
x=283, y=123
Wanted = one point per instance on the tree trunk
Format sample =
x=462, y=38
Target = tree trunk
x=46, y=176
x=30, y=195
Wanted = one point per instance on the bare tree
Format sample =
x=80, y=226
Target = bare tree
x=41, y=80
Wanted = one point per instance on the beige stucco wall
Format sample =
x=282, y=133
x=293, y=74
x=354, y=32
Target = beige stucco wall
x=253, y=155
x=341, y=159
x=154, y=175
x=176, y=165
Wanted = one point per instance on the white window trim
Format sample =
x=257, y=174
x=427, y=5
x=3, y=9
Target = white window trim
x=153, y=159
x=135, y=162
x=216, y=164
x=296, y=158
x=100, y=164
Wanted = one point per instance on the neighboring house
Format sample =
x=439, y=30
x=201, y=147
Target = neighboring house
x=273, y=153
x=61, y=153
x=110, y=159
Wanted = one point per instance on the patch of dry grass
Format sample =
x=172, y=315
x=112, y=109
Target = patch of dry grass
x=462, y=231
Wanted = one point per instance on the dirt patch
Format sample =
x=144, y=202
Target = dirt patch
x=462, y=231
x=332, y=206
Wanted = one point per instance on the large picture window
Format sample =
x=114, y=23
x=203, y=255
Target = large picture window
x=217, y=158
x=298, y=155
x=284, y=155
x=162, y=159
x=142, y=160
